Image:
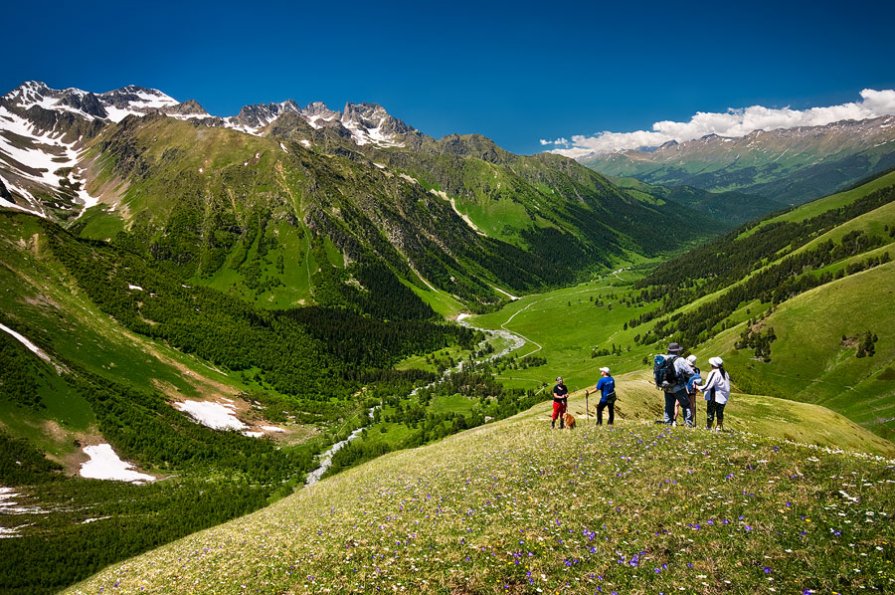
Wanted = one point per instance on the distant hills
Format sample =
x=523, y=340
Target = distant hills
x=788, y=166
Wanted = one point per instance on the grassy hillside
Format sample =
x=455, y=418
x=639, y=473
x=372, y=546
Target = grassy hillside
x=826, y=204
x=281, y=225
x=729, y=208
x=814, y=358
x=798, y=305
x=123, y=344
x=515, y=507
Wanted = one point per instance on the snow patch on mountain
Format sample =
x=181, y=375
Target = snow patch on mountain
x=212, y=415
x=444, y=196
x=30, y=155
x=31, y=346
x=104, y=463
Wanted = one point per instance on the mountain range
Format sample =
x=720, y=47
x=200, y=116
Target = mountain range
x=787, y=165
x=207, y=304
x=458, y=214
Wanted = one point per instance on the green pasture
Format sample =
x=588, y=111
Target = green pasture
x=565, y=326
x=828, y=203
x=810, y=362
x=515, y=507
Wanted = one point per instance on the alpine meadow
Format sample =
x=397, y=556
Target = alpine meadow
x=307, y=350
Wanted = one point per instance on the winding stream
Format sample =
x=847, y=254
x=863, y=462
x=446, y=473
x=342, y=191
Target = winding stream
x=514, y=341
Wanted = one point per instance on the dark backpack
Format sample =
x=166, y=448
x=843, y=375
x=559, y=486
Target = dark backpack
x=663, y=371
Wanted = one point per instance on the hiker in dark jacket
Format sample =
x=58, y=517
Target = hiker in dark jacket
x=606, y=387
x=560, y=402
x=677, y=392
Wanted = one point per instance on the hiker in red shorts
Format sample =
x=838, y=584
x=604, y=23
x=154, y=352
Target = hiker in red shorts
x=560, y=401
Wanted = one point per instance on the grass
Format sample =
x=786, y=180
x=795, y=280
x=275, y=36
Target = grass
x=513, y=507
x=564, y=326
x=827, y=203
x=101, y=224
x=440, y=360
x=809, y=361
x=44, y=303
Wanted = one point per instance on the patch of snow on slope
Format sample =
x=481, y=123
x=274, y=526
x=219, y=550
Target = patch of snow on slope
x=212, y=415
x=8, y=505
x=377, y=137
x=23, y=193
x=31, y=346
x=443, y=195
x=105, y=464
x=45, y=153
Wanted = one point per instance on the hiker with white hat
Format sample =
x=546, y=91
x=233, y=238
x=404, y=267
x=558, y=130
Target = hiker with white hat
x=717, y=391
x=606, y=388
x=676, y=388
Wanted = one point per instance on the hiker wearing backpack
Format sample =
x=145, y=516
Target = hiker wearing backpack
x=606, y=388
x=560, y=402
x=691, y=387
x=717, y=391
x=671, y=373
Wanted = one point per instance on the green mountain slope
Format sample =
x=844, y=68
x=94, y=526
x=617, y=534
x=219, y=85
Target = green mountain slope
x=515, y=507
x=121, y=344
x=797, y=324
x=276, y=223
x=729, y=208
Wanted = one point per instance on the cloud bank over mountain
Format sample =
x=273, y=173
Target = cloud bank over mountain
x=735, y=122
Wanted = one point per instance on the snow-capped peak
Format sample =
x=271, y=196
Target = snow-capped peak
x=370, y=123
x=253, y=118
x=134, y=100
x=27, y=92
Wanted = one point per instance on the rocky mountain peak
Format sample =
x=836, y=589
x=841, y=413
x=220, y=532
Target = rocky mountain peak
x=371, y=123
x=27, y=92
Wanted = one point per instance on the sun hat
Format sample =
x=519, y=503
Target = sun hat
x=604, y=369
x=716, y=362
x=674, y=348
x=691, y=358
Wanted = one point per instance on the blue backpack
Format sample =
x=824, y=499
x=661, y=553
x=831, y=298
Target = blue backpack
x=663, y=371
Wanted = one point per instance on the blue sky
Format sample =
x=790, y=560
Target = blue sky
x=514, y=71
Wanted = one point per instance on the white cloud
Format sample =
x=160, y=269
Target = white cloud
x=732, y=123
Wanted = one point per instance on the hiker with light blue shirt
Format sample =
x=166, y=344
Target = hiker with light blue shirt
x=606, y=386
x=691, y=389
x=717, y=392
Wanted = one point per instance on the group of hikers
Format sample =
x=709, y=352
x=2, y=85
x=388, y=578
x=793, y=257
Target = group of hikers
x=680, y=380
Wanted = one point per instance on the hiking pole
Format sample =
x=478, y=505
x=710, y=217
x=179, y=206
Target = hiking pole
x=586, y=404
